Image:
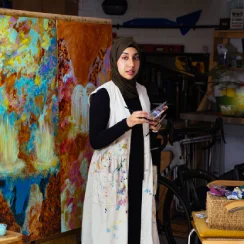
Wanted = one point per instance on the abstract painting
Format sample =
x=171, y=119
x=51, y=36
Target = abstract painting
x=29, y=120
x=48, y=68
x=83, y=65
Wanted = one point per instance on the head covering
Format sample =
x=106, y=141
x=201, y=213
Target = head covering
x=127, y=87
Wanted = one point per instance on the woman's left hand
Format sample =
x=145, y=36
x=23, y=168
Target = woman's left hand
x=155, y=125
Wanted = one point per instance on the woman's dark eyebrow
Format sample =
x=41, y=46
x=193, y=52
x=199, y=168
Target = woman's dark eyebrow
x=128, y=53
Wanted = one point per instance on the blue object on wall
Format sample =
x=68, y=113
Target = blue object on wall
x=188, y=20
x=185, y=22
x=6, y=4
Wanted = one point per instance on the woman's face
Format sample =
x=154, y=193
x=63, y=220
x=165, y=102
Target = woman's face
x=129, y=63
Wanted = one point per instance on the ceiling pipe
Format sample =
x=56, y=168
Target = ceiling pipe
x=118, y=26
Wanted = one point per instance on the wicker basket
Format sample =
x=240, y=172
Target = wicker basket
x=223, y=213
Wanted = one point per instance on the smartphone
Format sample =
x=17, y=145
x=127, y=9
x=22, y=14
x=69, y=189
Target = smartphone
x=158, y=111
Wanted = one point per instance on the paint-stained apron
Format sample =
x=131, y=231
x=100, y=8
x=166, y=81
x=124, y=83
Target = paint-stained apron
x=105, y=209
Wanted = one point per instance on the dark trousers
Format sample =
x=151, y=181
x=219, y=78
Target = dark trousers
x=134, y=210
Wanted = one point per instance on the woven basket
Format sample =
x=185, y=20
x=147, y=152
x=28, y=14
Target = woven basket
x=225, y=214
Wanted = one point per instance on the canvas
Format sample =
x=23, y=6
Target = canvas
x=83, y=65
x=48, y=68
x=29, y=151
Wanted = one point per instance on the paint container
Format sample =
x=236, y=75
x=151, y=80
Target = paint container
x=218, y=191
x=3, y=228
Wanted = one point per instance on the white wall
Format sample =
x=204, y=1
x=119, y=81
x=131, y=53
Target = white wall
x=234, y=153
x=171, y=9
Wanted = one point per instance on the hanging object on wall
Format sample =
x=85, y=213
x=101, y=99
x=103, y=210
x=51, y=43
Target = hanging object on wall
x=185, y=22
x=188, y=20
x=114, y=7
x=161, y=48
x=6, y=4
x=237, y=19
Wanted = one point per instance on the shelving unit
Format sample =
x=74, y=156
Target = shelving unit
x=237, y=69
x=166, y=81
x=231, y=153
x=211, y=117
x=220, y=37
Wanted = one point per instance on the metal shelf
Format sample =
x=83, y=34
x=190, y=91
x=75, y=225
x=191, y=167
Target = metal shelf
x=211, y=117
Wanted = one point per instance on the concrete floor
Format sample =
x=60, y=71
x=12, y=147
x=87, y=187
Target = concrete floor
x=163, y=240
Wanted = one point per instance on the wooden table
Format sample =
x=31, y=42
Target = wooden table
x=11, y=237
x=220, y=240
x=210, y=117
x=217, y=240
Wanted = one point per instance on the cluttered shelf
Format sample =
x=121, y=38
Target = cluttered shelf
x=210, y=117
x=236, y=69
x=228, y=33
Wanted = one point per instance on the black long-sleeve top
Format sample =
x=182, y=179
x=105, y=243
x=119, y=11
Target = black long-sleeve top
x=100, y=135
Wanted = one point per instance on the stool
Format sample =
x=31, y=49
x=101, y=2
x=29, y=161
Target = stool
x=11, y=237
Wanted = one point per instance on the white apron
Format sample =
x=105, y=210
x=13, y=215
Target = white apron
x=105, y=218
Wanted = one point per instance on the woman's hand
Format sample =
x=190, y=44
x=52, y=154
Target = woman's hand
x=138, y=117
x=155, y=125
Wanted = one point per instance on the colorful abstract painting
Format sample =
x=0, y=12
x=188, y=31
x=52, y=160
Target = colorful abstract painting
x=48, y=68
x=83, y=64
x=29, y=120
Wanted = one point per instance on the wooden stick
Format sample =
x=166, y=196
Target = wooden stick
x=225, y=183
x=13, y=12
x=203, y=104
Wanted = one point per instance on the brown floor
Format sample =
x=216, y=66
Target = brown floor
x=163, y=240
x=194, y=240
x=71, y=239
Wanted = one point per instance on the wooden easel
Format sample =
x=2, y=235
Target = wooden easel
x=22, y=13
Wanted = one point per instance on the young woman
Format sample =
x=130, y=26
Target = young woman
x=119, y=205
